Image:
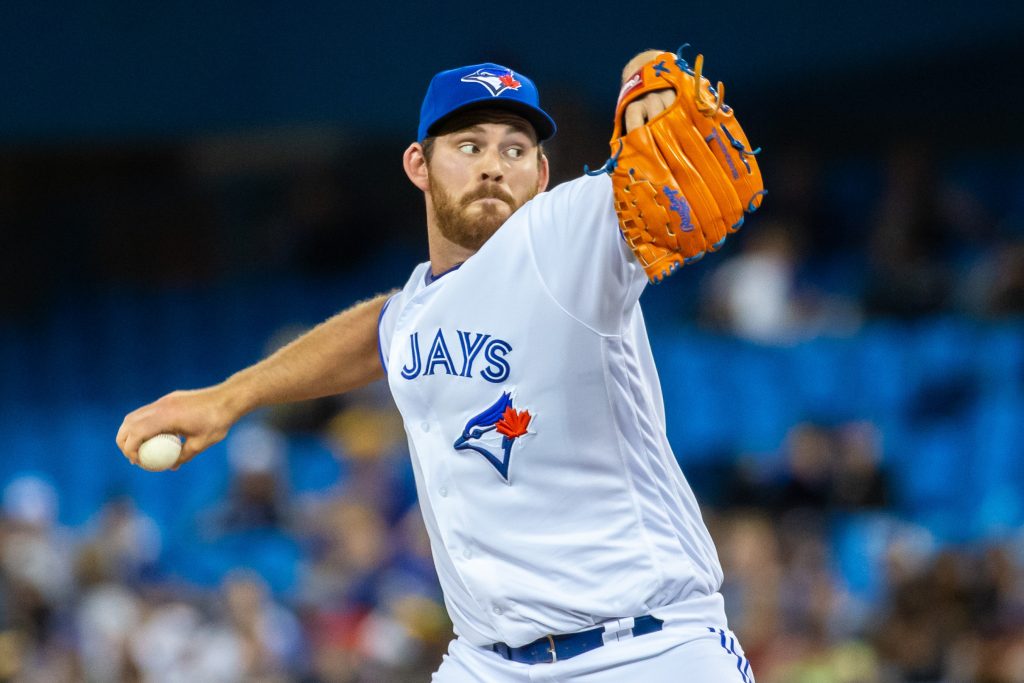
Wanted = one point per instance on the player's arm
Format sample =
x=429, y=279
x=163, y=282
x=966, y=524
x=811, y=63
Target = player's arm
x=337, y=356
x=598, y=283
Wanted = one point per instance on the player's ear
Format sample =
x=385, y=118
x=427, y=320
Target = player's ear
x=414, y=161
x=545, y=172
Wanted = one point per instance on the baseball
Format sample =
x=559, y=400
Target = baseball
x=160, y=453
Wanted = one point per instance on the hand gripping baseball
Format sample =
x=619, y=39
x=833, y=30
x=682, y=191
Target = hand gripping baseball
x=200, y=416
x=682, y=181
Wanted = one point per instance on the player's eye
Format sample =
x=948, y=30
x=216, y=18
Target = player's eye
x=468, y=148
x=514, y=152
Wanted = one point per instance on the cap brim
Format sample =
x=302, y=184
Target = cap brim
x=542, y=124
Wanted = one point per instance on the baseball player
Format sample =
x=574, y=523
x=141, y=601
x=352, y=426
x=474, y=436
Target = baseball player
x=567, y=542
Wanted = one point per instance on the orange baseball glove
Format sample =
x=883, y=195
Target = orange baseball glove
x=682, y=181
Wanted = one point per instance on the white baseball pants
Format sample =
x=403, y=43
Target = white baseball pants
x=675, y=654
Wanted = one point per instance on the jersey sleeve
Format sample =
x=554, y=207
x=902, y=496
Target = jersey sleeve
x=389, y=313
x=581, y=255
x=386, y=328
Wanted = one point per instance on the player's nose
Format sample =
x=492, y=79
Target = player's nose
x=490, y=165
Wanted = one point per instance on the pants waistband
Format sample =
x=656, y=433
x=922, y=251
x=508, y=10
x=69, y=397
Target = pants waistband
x=553, y=648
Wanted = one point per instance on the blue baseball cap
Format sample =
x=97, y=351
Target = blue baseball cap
x=483, y=86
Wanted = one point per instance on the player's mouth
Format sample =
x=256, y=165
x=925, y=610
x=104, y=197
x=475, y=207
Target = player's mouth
x=489, y=196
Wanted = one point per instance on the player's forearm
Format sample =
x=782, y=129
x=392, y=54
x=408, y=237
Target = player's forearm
x=336, y=356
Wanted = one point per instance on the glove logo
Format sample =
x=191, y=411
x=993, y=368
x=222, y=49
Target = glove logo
x=496, y=82
x=677, y=202
x=494, y=432
x=629, y=86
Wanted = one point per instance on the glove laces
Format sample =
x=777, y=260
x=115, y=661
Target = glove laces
x=609, y=165
x=703, y=106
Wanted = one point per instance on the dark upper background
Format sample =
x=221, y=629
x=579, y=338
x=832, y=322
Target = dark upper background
x=111, y=70
x=145, y=142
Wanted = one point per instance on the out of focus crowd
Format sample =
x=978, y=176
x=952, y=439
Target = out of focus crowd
x=906, y=237
x=331, y=584
x=824, y=584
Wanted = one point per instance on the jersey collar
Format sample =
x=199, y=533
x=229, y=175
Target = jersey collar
x=431, y=278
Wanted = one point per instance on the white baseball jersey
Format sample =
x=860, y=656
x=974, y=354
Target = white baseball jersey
x=537, y=431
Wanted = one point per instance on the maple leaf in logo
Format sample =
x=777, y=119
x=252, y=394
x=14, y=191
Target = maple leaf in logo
x=509, y=81
x=513, y=423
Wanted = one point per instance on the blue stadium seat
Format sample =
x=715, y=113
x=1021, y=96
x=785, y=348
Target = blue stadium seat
x=829, y=383
x=312, y=466
x=932, y=474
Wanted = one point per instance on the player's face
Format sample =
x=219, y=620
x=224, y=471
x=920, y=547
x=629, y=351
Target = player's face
x=479, y=176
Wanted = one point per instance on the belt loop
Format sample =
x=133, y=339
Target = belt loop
x=554, y=653
x=617, y=629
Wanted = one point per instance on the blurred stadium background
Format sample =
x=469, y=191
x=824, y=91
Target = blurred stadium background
x=184, y=187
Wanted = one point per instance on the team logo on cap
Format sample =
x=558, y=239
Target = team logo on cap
x=496, y=82
x=494, y=432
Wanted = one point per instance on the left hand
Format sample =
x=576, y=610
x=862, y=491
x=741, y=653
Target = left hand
x=650, y=105
x=647, y=107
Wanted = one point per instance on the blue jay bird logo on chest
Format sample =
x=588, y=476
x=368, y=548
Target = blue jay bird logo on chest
x=493, y=432
x=496, y=82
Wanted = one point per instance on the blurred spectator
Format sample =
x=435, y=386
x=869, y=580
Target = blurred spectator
x=352, y=547
x=107, y=615
x=808, y=478
x=270, y=636
x=36, y=582
x=176, y=644
x=409, y=628
x=822, y=468
x=754, y=294
x=258, y=496
x=757, y=296
x=369, y=438
x=908, y=239
x=995, y=286
x=126, y=541
x=370, y=596
x=35, y=556
x=751, y=558
x=860, y=481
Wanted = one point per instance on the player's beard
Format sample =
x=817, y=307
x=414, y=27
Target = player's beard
x=471, y=231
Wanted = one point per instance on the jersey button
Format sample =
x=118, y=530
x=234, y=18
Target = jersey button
x=443, y=491
x=497, y=610
x=425, y=426
x=467, y=553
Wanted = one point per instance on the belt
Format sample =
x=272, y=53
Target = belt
x=550, y=649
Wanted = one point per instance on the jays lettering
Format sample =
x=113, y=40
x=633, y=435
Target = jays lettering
x=462, y=354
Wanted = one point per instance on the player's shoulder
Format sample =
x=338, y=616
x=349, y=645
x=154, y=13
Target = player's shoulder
x=417, y=280
x=394, y=305
x=585, y=187
x=568, y=208
x=564, y=205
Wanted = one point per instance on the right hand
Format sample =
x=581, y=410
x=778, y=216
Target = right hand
x=200, y=416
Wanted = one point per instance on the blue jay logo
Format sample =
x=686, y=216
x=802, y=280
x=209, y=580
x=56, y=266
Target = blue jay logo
x=495, y=82
x=493, y=432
